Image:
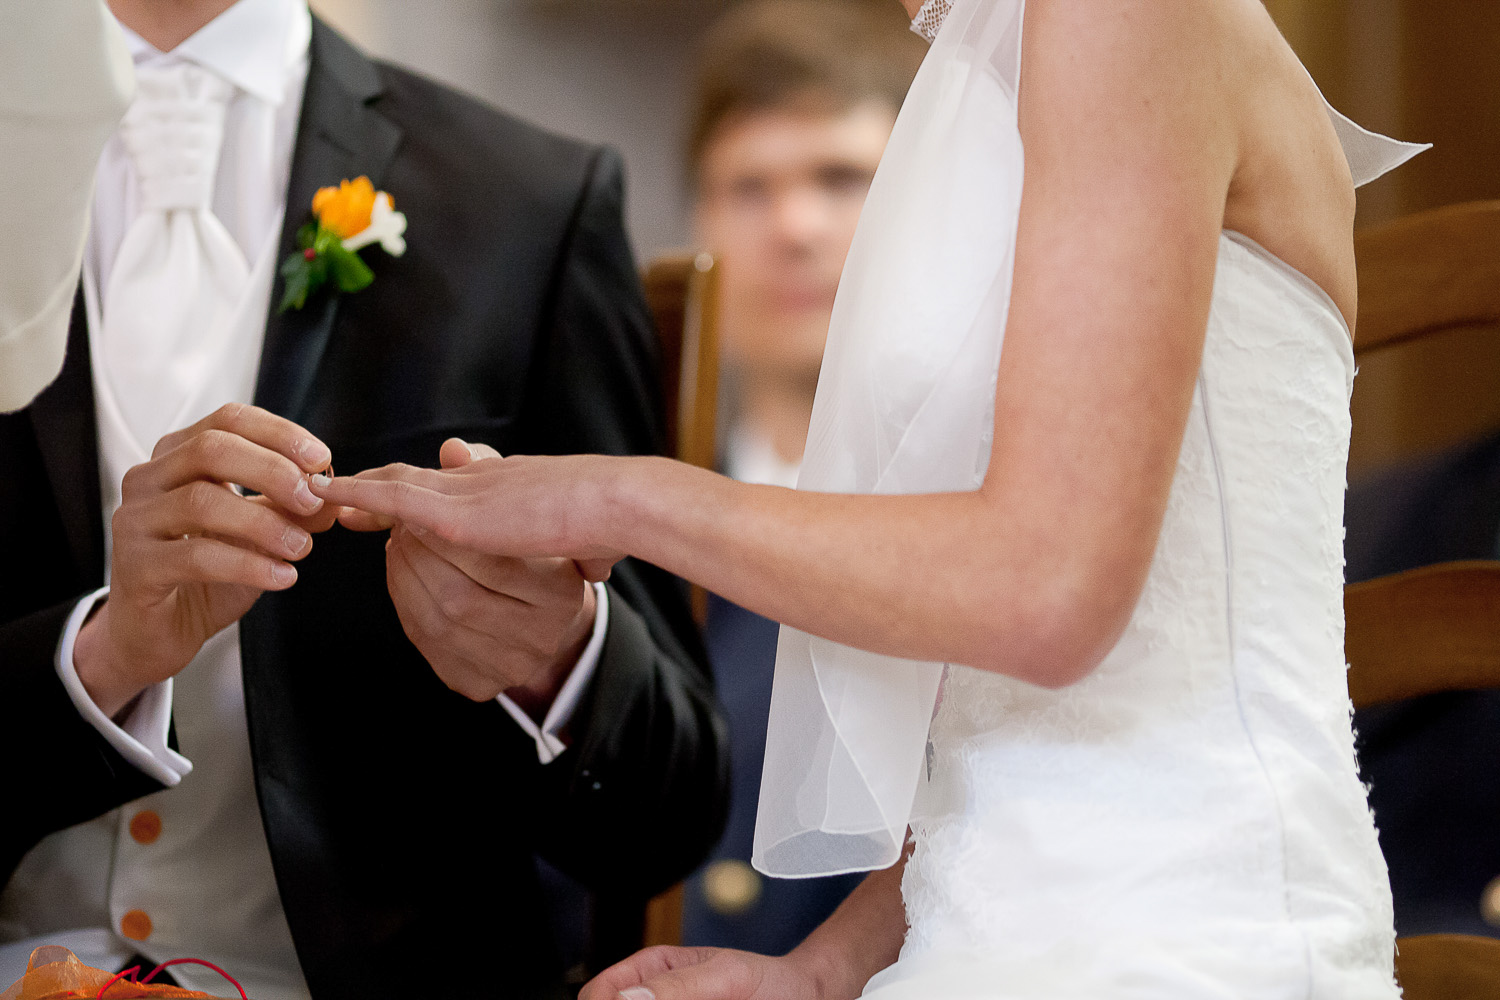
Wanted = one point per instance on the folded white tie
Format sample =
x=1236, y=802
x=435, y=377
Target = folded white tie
x=179, y=276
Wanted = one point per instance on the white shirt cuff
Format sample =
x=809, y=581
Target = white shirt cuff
x=141, y=737
x=548, y=743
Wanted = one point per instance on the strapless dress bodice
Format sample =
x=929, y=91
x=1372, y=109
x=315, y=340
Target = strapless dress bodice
x=1191, y=811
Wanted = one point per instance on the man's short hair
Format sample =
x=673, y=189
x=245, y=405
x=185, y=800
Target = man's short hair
x=825, y=56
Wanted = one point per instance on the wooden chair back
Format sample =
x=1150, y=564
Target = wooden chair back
x=1425, y=280
x=1426, y=630
x=1428, y=337
x=1428, y=345
x=1448, y=967
x=682, y=293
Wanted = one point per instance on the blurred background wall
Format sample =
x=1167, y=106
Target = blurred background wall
x=617, y=71
x=612, y=71
x=1426, y=70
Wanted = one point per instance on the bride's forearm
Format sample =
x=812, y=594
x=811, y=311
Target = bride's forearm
x=931, y=577
x=863, y=936
x=1034, y=575
x=843, y=567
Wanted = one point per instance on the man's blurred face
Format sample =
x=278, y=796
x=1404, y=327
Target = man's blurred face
x=779, y=197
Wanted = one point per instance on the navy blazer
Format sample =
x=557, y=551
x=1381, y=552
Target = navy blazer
x=1433, y=763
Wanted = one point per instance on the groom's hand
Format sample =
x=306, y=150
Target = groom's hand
x=190, y=555
x=489, y=624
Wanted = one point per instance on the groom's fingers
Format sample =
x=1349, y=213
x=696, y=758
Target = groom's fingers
x=212, y=510
x=260, y=427
x=221, y=456
x=208, y=560
x=316, y=523
x=534, y=581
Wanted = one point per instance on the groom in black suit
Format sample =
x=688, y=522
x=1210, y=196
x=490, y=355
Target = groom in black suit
x=403, y=818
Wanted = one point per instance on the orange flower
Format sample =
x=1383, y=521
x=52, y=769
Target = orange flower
x=345, y=210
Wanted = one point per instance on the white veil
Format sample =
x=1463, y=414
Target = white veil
x=905, y=404
x=908, y=379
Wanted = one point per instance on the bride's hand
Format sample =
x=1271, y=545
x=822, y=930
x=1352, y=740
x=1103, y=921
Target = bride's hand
x=523, y=506
x=666, y=973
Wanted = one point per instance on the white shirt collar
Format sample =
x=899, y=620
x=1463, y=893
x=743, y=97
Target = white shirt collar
x=254, y=45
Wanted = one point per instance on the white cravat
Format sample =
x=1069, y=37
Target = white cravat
x=179, y=278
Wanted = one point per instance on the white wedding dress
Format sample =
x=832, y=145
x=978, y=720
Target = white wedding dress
x=1187, y=822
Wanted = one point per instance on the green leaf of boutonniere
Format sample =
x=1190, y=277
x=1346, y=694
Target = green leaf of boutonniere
x=345, y=220
x=349, y=271
x=298, y=275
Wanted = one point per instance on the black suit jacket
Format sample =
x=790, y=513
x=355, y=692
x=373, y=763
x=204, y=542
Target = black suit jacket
x=1433, y=763
x=402, y=818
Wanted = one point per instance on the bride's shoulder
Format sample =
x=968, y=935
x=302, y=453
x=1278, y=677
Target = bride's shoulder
x=1151, y=45
x=1182, y=71
x=1148, y=24
x=1138, y=71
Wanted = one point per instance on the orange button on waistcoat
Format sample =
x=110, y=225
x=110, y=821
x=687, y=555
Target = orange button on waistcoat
x=145, y=827
x=135, y=925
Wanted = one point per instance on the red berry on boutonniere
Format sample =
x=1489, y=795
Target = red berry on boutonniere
x=346, y=219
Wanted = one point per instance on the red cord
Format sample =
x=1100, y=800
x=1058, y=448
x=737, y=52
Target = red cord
x=118, y=976
x=195, y=961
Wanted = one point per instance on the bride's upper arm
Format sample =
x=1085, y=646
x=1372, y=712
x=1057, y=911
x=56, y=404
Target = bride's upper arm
x=1129, y=154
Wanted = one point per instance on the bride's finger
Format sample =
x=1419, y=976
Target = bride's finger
x=635, y=970
x=401, y=493
x=434, y=480
x=726, y=979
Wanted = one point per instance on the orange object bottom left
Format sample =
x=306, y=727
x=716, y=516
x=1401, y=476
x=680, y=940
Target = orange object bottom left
x=55, y=973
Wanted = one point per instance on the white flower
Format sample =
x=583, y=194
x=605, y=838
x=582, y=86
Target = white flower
x=386, y=227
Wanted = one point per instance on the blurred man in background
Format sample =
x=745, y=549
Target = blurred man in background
x=794, y=103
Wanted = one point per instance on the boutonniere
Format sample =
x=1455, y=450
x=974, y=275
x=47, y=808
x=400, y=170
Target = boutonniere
x=345, y=220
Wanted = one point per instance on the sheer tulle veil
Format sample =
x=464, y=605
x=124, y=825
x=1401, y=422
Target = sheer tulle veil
x=905, y=404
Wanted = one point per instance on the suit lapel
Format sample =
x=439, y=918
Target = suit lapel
x=63, y=420
x=340, y=135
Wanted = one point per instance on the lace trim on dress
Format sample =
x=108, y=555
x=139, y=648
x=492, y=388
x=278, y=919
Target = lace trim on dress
x=930, y=18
